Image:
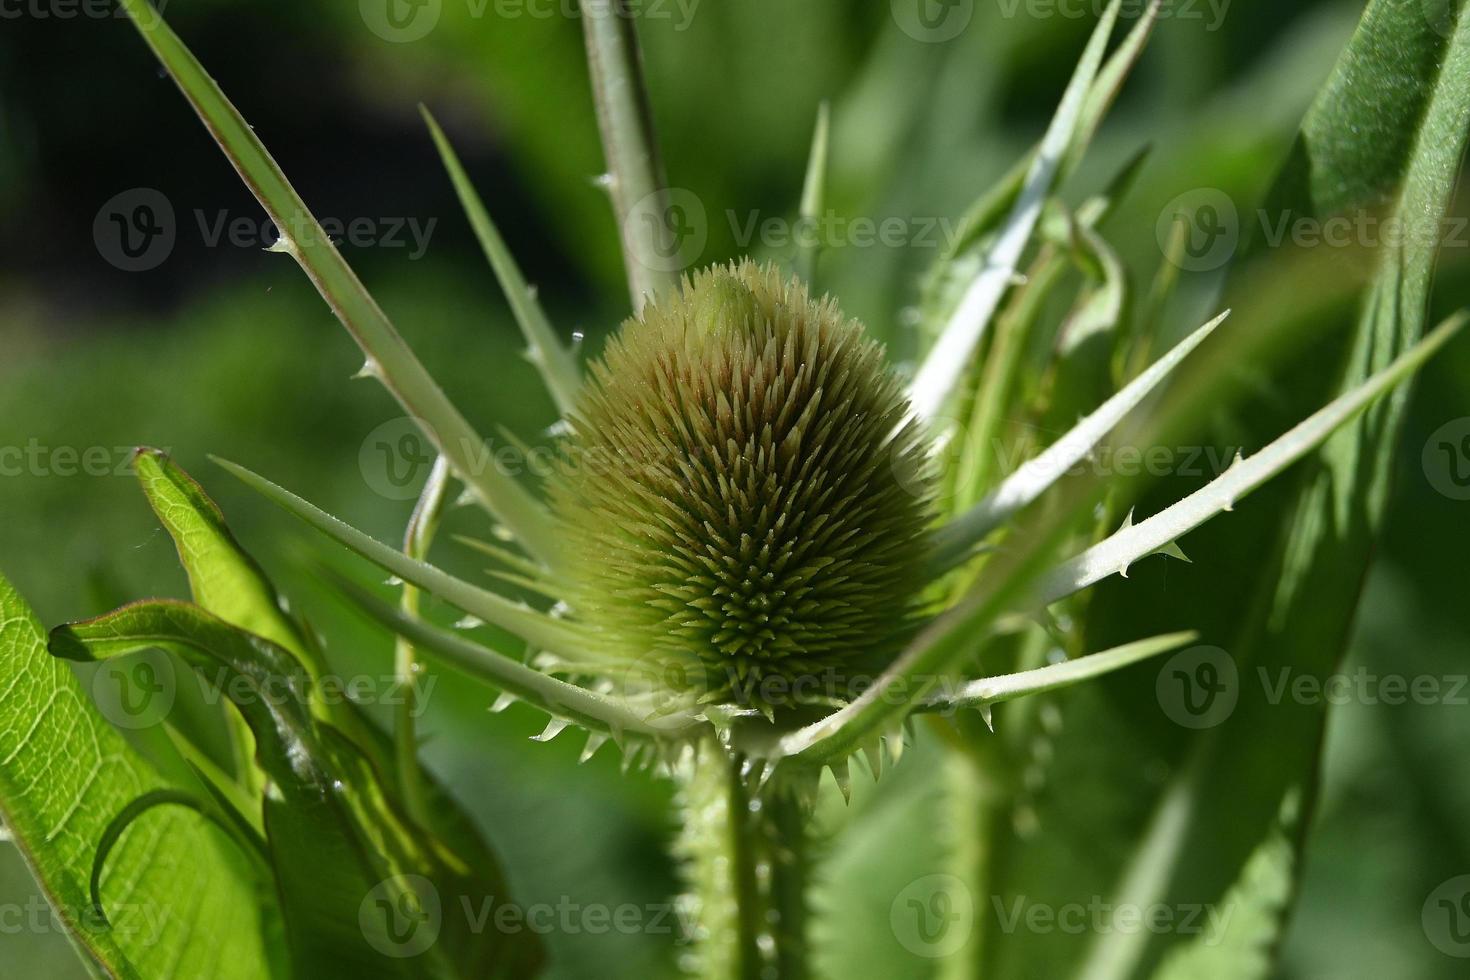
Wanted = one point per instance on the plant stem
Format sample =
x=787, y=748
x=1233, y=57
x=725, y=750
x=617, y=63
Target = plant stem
x=416, y=539
x=745, y=865
x=977, y=802
x=814, y=199
x=635, y=177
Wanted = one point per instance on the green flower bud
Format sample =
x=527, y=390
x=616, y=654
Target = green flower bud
x=741, y=503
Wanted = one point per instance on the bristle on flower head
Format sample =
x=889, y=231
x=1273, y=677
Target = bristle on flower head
x=741, y=501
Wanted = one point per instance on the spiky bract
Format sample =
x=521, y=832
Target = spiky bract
x=744, y=499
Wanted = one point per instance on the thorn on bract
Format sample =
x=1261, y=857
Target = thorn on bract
x=553, y=728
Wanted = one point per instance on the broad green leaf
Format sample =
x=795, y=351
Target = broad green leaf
x=179, y=897
x=362, y=888
x=222, y=577
x=247, y=598
x=1243, y=945
x=388, y=357
x=226, y=581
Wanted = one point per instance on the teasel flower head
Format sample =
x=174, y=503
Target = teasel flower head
x=745, y=501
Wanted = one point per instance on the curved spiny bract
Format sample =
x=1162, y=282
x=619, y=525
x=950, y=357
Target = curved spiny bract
x=744, y=501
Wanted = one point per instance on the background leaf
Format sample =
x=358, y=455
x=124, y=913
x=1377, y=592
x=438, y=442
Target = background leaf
x=1144, y=811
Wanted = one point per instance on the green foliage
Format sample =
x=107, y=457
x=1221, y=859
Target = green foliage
x=1075, y=791
x=176, y=895
x=1223, y=831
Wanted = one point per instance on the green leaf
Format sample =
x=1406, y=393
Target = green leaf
x=223, y=578
x=1243, y=946
x=1215, y=819
x=177, y=892
x=388, y=356
x=362, y=887
x=249, y=598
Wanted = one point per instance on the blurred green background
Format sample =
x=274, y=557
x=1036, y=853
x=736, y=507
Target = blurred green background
x=223, y=348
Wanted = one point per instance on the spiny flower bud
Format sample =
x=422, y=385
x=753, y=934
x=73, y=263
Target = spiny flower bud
x=741, y=503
